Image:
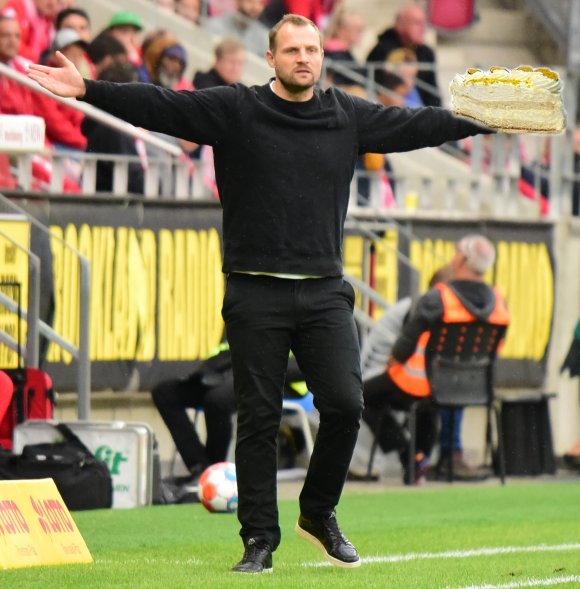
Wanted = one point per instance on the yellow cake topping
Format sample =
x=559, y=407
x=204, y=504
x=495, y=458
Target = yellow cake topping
x=473, y=70
x=525, y=68
x=548, y=73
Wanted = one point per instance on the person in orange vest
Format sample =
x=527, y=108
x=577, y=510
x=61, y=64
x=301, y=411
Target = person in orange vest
x=382, y=395
x=466, y=296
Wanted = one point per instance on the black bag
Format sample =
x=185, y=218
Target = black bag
x=83, y=481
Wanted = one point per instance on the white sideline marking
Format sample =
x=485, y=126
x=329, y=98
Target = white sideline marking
x=526, y=583
x=460, y=553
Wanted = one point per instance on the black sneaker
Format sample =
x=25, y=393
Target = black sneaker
x=325, y=534
x=257, y=558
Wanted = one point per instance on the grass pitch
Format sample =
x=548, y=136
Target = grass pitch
x=481, y=537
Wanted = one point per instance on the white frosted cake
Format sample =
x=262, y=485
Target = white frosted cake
x=520, y=100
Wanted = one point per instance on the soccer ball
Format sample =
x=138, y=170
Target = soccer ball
x=218, y=488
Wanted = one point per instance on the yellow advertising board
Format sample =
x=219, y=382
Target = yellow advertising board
x=36, y=527
x=14, y=229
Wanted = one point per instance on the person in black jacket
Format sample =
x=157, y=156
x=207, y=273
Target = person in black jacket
x=409, y=32
x=104, y=139
x=285, y=154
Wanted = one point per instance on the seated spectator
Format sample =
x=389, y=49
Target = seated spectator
x=36, y=22
x=104, y=50
x=62, y=122
x=382, y=395
x=218, y=7
x=409, y=32
x=344, y=33
x=228, y=67
x=391, y=88
x=103, y=139
x=164, y=62
x=312, y=9
x=76, y=19
x=403, y=63
x=165, y=5
x=243, y=25
x=189, y=10
x=68, y=42
x=208, y=388
x=126, y=27
x=16, y=99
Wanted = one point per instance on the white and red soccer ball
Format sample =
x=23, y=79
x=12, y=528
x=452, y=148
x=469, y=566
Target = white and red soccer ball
x=218, y=488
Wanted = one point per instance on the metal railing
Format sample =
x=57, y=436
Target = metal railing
x=80, y=351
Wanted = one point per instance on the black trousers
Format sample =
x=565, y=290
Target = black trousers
x=265, y=318
x=173, y=397
x=381, y=395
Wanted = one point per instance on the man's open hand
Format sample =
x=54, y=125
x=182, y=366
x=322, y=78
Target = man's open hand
x=63, y=80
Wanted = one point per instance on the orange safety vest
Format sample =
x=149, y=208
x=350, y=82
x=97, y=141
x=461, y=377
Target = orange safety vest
x=411, y=377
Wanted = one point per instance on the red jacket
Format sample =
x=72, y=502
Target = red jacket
x=36, y=30
x=63, y=124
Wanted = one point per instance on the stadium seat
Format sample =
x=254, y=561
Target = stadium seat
x=460, y=364
x=450, y=16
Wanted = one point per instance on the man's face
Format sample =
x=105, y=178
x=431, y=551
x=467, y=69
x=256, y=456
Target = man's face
x=75, y=53
x=231, y=66
x=79, y=24
x=9, y=39
x=297, y=57
x=128, y=35
x=188, y=9
x=412, y=26
x=251, y=8
x=352, y=30
x=49, y=8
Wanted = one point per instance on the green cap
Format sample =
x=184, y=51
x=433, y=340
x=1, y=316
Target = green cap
x=125, y=18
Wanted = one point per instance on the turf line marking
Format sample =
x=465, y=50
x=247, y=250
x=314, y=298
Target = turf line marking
x=526, y=583
x=460, y=553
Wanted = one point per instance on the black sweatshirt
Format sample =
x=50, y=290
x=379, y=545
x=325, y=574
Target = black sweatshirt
x=283, y=169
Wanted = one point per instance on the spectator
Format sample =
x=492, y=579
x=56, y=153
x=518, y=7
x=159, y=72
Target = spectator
x=76, y=19
x=243, y=25
x=35, y=19
x=572, y=364
x=403, y=63
x=188, y=9
x=473, y=257
x=104, y=50
x=68, y=42
x=18, y=99
x=228, y=67
x=344, y=33
x=164, y=62
x=383, y=394
x=409, y=32
x=126, y=26
x=391, y=88
x=103, y=139
x=312, y=9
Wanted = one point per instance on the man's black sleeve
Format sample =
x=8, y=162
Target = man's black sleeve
x=392, y=129
x=202, y=116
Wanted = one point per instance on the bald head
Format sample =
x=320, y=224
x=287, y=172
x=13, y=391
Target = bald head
x=411, y=25
x=476, y=253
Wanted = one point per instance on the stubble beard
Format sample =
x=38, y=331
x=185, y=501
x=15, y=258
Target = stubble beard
x=295, y=88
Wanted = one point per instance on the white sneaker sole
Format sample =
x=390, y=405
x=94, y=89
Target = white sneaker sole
x=318, y=544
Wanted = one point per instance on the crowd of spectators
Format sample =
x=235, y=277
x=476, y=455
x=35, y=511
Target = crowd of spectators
x=400, y=69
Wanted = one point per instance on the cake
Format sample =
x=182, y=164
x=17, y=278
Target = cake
x=520, y=100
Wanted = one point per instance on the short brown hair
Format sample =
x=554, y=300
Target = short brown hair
x=293, y=19
x=228, y=46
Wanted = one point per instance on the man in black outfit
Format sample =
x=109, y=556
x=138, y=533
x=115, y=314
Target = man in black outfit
x=285, y=153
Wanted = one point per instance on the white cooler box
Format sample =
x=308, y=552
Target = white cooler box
x=126, y=448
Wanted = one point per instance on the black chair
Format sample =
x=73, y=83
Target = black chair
x=460, y=359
